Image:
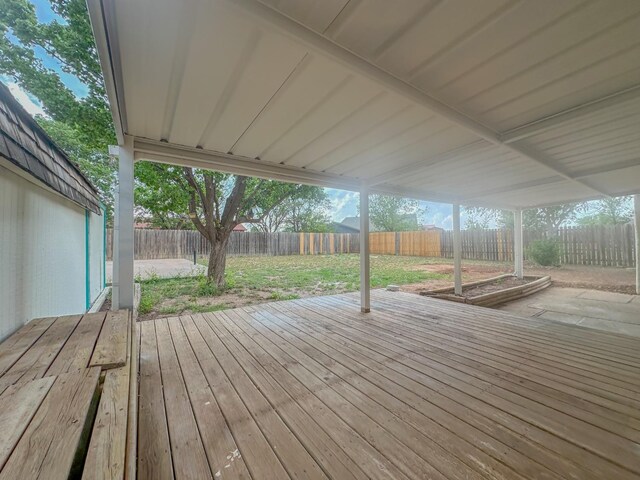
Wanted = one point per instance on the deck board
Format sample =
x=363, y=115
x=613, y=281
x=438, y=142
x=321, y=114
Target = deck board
x=106, y=453
x=475, y=427
x=18, y=405
x=294, y=457
x=452, y=381
x=256, y=450
x=418, y=388
x=51, y=406
x=154, y=452
x=77, y=350
x=113, y=343
x=189, y=457
x=35, y=361
x=520, y=381
x=48, y=447
x=12, y=348
x=217, y=439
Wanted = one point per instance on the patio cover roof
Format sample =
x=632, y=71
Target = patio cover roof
x=502, y=103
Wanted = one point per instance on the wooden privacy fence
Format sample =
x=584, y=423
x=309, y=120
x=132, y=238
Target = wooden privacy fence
x=421, y=244
x=607, y=246
x=152, y=244
x=595, y=245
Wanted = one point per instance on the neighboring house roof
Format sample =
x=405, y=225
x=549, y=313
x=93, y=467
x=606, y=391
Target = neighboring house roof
x=144, y=226
x=354, y=223
x=240, y=228
x=25, y=144
x=338, y=227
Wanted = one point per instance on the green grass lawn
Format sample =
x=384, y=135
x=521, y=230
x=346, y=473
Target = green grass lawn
x=259, y=279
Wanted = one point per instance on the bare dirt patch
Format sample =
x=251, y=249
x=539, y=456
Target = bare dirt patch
x=470, y=273
x=610, y=279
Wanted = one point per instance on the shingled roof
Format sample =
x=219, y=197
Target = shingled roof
x=24, y=143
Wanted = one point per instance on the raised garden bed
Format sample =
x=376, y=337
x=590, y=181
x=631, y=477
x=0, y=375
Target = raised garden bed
x=493, y=291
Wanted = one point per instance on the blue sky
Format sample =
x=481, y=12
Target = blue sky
x=45, y=14
x=344, y=204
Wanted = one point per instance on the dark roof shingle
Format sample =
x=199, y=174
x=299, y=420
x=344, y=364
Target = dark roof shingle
x=25, y=144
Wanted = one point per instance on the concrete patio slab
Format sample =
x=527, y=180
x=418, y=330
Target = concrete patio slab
x=163, y=268
x=607, y=296
x=607, y=311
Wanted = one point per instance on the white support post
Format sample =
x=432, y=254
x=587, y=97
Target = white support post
x=365, y=282
x=125, y=225
x=457, y=251
x=518, y=250
x=636, y=205
x=115, y=258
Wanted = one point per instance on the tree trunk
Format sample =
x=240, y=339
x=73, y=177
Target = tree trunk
x=217, y=263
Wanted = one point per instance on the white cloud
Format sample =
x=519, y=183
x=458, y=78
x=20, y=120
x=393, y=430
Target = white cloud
x=30, y=105
x=343, y=203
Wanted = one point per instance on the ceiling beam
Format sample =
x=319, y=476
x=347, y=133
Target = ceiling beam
x=600, y=169
x=163, y=152
x=514, y=187
x=411, y=169
x=551, y=121
x=274, y=20
x=172, y=154
x=585, y=173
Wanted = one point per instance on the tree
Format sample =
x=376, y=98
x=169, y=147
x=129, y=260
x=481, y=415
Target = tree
x=480, y=218
x=308, y=213
x=394, y=214
x=550, y=218
x=81, y=126
x=215, y=203
x=71, y=43
x=97, y=165
x=610, y=211
x=544, y=218
x=308, y=217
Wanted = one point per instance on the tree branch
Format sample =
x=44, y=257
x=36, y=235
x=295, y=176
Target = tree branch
x=193, y=215
x=233, y=203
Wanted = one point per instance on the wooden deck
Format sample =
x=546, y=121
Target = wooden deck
x=64, y=398
x=419, y=388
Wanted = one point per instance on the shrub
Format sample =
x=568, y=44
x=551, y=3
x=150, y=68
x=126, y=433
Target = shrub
x=545, y=252
x=206, y=288
x=146, y=304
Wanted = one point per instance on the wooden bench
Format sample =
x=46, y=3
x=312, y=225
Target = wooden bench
x=67, y=385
